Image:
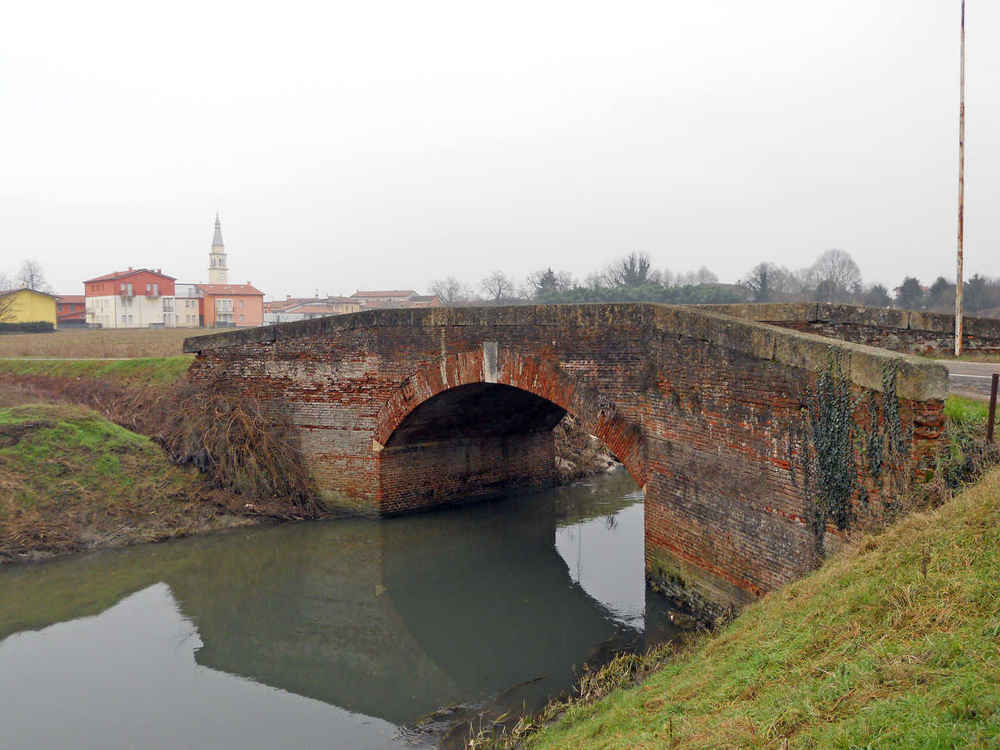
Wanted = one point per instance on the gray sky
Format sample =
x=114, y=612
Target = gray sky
x=386, y=144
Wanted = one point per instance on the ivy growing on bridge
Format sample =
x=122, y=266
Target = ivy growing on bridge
x=835, y=438
x=831, y=412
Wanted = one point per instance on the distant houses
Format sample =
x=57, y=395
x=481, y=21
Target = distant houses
x=150, y=298
x=305, y=308
x=395, y=298
x=147, y=298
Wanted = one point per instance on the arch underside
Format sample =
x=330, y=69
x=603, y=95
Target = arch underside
x=468, y=443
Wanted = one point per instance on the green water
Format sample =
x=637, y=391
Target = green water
x=335, y=635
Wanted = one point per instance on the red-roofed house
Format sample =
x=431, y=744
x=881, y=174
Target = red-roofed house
x=127, y=299
x=230, y=305
x=71, y=310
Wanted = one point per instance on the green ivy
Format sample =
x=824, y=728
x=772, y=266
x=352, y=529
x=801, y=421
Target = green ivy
x=893, y=425
x=874, y=441
x=831, y=415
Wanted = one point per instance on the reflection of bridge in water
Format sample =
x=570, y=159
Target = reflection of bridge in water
x=390, y=619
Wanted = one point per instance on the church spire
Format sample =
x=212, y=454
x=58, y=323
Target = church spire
x=218, y=271
x=217, y=239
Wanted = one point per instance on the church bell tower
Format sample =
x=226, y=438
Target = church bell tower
x=218, y=272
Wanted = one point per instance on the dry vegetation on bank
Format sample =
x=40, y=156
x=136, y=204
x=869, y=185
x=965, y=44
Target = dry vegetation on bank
x=85, y=343
x=71, y=480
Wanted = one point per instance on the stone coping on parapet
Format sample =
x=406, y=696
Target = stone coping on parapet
x=918, y=379
x=878, y=317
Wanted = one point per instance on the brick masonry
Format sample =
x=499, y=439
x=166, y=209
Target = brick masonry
x=400, y=410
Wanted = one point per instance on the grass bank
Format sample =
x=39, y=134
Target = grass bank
x=896, y=644
x=72, y=480
x=141, y=371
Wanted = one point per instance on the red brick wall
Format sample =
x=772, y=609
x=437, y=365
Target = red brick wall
x=416, y=477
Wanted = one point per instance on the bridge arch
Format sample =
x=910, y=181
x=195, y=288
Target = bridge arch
x=471, y=407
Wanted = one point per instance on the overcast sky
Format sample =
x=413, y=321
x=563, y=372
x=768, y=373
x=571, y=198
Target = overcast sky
x=387, y=144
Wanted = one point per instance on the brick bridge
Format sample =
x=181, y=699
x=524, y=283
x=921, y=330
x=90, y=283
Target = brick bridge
x=707, y=408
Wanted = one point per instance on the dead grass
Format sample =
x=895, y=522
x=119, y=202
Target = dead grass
x=99, y=343
x=226, y=434
x=71, y=480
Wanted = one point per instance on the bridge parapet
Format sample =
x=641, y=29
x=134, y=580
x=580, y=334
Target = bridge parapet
x=709, y=409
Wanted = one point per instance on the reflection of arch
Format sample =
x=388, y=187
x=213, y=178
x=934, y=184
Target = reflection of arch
x=540, y=376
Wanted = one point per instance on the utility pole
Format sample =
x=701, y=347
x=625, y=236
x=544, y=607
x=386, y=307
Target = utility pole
x=961, y=194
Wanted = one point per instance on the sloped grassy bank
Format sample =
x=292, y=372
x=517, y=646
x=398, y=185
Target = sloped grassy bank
x=894, y=645
x=894, y=642
x=72, y=480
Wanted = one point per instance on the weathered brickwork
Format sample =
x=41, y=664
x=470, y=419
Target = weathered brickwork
x=399, y=410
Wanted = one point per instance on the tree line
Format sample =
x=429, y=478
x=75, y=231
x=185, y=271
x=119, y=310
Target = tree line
x=833, y=276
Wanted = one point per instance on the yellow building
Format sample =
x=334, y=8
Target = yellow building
x=27, y=306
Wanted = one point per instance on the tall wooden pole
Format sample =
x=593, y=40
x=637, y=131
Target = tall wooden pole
x=961, y=194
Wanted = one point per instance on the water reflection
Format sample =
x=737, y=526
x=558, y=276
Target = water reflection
x=361, y=619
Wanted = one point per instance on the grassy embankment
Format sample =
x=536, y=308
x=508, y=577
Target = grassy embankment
x=144, y=371
x=895, y=642
x=72, y=480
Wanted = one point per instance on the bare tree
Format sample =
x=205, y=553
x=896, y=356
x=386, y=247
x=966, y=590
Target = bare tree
x=31, y=277
x=694, y=278
x=451, y=291
x=633, y=269
x=497, y=287
x=835, y=276
x=767, y=282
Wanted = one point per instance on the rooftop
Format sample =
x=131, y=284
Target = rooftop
x=406, y=293
x=248, y=289
x=130, y=272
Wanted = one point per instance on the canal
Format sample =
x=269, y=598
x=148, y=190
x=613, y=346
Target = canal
x=344, y=634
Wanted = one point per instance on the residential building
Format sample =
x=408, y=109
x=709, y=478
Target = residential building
x=305, y=308
x=71, y=310
x=128, y=299
x=394, y=298
x=183, y=310
x=27, y=306
x=230, y=305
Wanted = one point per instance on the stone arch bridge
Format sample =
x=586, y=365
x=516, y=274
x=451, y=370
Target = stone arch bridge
x=707, y=408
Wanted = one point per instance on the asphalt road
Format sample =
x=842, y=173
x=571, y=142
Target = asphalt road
x=970, y=378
